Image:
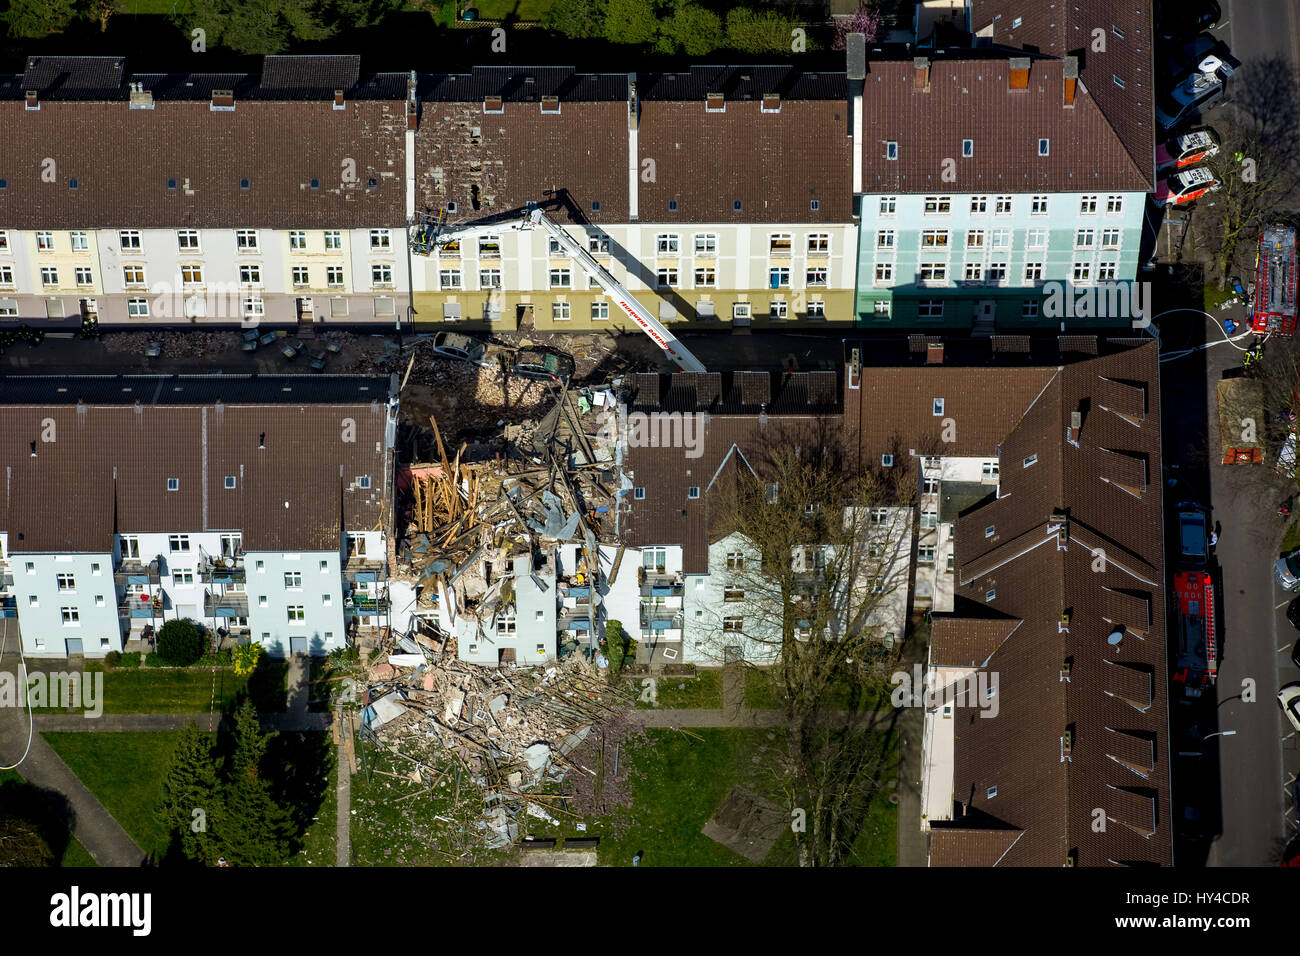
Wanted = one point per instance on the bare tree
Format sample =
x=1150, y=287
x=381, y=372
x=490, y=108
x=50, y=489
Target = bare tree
x=817, y=570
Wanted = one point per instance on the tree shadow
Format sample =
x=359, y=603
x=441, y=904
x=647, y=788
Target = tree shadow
x=47, y=811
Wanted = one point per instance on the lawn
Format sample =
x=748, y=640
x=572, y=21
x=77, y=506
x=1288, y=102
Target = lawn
x=155, y=7
x=763, y=693
x=183, y=691
x=527, y=11
x=74, y=854
x=124, y=772
x=703, y=691
x=1291, y=540
x=1213, y=296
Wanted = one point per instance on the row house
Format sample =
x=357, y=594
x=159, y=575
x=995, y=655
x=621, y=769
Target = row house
x=995, y=176
x=134, y=500
x=279, y=198
x=718, y=196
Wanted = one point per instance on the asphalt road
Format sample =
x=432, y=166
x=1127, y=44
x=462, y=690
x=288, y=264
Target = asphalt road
x=1261, y=29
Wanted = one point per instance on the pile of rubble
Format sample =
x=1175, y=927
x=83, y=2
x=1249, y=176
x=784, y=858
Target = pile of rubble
x=511, y=733
x=190, y=343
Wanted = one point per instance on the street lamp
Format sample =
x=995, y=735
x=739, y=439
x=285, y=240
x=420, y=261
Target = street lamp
x=1219, y=733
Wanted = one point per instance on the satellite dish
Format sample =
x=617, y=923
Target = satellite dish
x=1116, y=636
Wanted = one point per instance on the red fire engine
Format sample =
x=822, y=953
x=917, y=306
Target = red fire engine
x=1275, y=282
x=1198, y=647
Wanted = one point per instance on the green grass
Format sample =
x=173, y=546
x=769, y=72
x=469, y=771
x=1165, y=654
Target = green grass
x=155, y=7
x=1213, y=296
x=154, y=691
x=763, y=693
x=124, y=772
x=527, y=11
x=319, y=838
x=1291, y=540
x=703, y=691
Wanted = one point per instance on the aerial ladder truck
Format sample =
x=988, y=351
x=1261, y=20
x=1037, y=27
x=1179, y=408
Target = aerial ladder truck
x=430, y=234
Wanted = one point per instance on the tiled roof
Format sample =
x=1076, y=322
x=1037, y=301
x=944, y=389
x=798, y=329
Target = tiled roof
x=955, y=846
x=107, y=467
x=971, y=98
x=967, y=641
x=1057, y=30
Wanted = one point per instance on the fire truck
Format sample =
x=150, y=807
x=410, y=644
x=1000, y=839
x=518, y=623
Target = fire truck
x=1274, y=306
x=1198, y=648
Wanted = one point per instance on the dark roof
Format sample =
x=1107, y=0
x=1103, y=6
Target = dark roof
x=969, y=97
x=1068, y=29
x=53, y=75
x=192, y=389
x=107, y=467
x=317, y=72
x=740, y=83
x=522, y=84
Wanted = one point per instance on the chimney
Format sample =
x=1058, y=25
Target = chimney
x=338, y=99
x=771, y=102
x=412, y=104
x=1076, y=424
x=855, y=50
x=33, y=101
x=223, y=99
x=550, y=104
x=921, y=74
x=141, y=99
x=1019, y=75
x=1070, y=70
x=493, y=104
x=715, y=103
x=934, y=352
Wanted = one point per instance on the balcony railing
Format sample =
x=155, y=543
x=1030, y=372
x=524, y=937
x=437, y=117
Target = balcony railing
x=574, y=619
x=132, y=607
x=665, y=620
x=134, y=571
x=230, y=604
x=364, y=569
x=222, y=569
x=367, y=604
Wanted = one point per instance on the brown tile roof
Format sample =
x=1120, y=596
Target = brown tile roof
x=967, y=641
x=971, y=99
x=1057, y=30
x=107, y=469
x=957, y=846
x=278, y=146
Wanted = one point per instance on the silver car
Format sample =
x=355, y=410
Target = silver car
x=1287, y=570
x=1288, y=698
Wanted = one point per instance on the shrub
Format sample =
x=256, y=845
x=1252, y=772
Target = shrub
x=343, y=656
x=219, y=659
x=129, y=659
x=112, y=659
x=153, y=660
x=866, y=19
x=245, y=658
x=630, y=21
x=692, y=29
x=580, y=19
x=181, y=643
x=749, y=31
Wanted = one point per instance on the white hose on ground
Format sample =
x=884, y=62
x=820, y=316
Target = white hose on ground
x=31, y=720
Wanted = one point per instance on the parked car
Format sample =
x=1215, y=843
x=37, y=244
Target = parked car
x=1197, y=93
x=1295, y=654
x=1185, y=186
x=1293, y=613
x=534, y=363
x=1287, y=570
x=1288, y=698
x=1182, y=18
x=1193, y=534
x=1187, y=149
x=454, y=345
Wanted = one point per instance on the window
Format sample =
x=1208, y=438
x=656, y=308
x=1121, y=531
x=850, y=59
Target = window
x=598, y=245
x=560, y=311
x=1038, y=206
x=733, y=625
x=814, y=204
x=989, y=595
x=879, y=516
x=929, y=519
x=1085, y=238
x=31, y=567
x=245, y=183
x=933, y=271
x=1003, y=206
x=327, y=600
x=381, y=274
x=929, y=309
x=816, y=276
x=990, y=531
x=666, y=244
x=334, y=276
x=33, y=601
x=600, y=310
x=83, y=275
x=1036, y=239
x=937, y=408
x=706, y=244
x=1107, y=271
x=80, y=241
x=974, y=272
x=137, y=308
x=6, y=275
x=129, y=238
x=260, y=566
x=706, y=276
x=1118, y=80
x=356, y=546
x=778, y=308
x=1114, y=204
x=1001, y=238
x=250, y=274
x=293, y=579
x=931, y=486
x=333, y=239
x=938, y=205
x=178, y=543
x=4, y=240
x=324, y=567
x=192, y=274
x=1031, y=460
x=489, y=278
x=732, y=595
x=95, y=569
x=979, y=204
x=666, y=277
x=816, y=309
x=778, y=276
x=888, y=205
x=297, y=239
x=992, y=792
x=1033, y=272
x=71, y=616
x=231, y=544
x=638, y=493
x=925, y=554
x=974, y=238
x=735, y=561
x=1029, y=309
x=1083, y=272
x=297, y=614
x=1110, y=238
x=379, y=239
x=560, y=279
x=819, y=244
x=891, y=150
x=967, y=151
x=997, y=272
x=886, y=461
x=185, y=577
x=779, y=244
x=693, y=491
x=990, y=470
x=885, y=239
x=301, y=275
x=1044, y=147
x=934, y=238
x=67, y=582
x=246, y=240
x=254, y=306
x=133, y=275
x=49, y=275
x=740, y=310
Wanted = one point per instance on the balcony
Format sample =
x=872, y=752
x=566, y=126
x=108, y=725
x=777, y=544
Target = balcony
x=365, y=604
x=222, y=569
x=659, y=583
x=361, y=569
x=573, y=619
x=134, y=571
x=661, y=619
x=140, y=606
x=231, y=604
x=8, y=605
